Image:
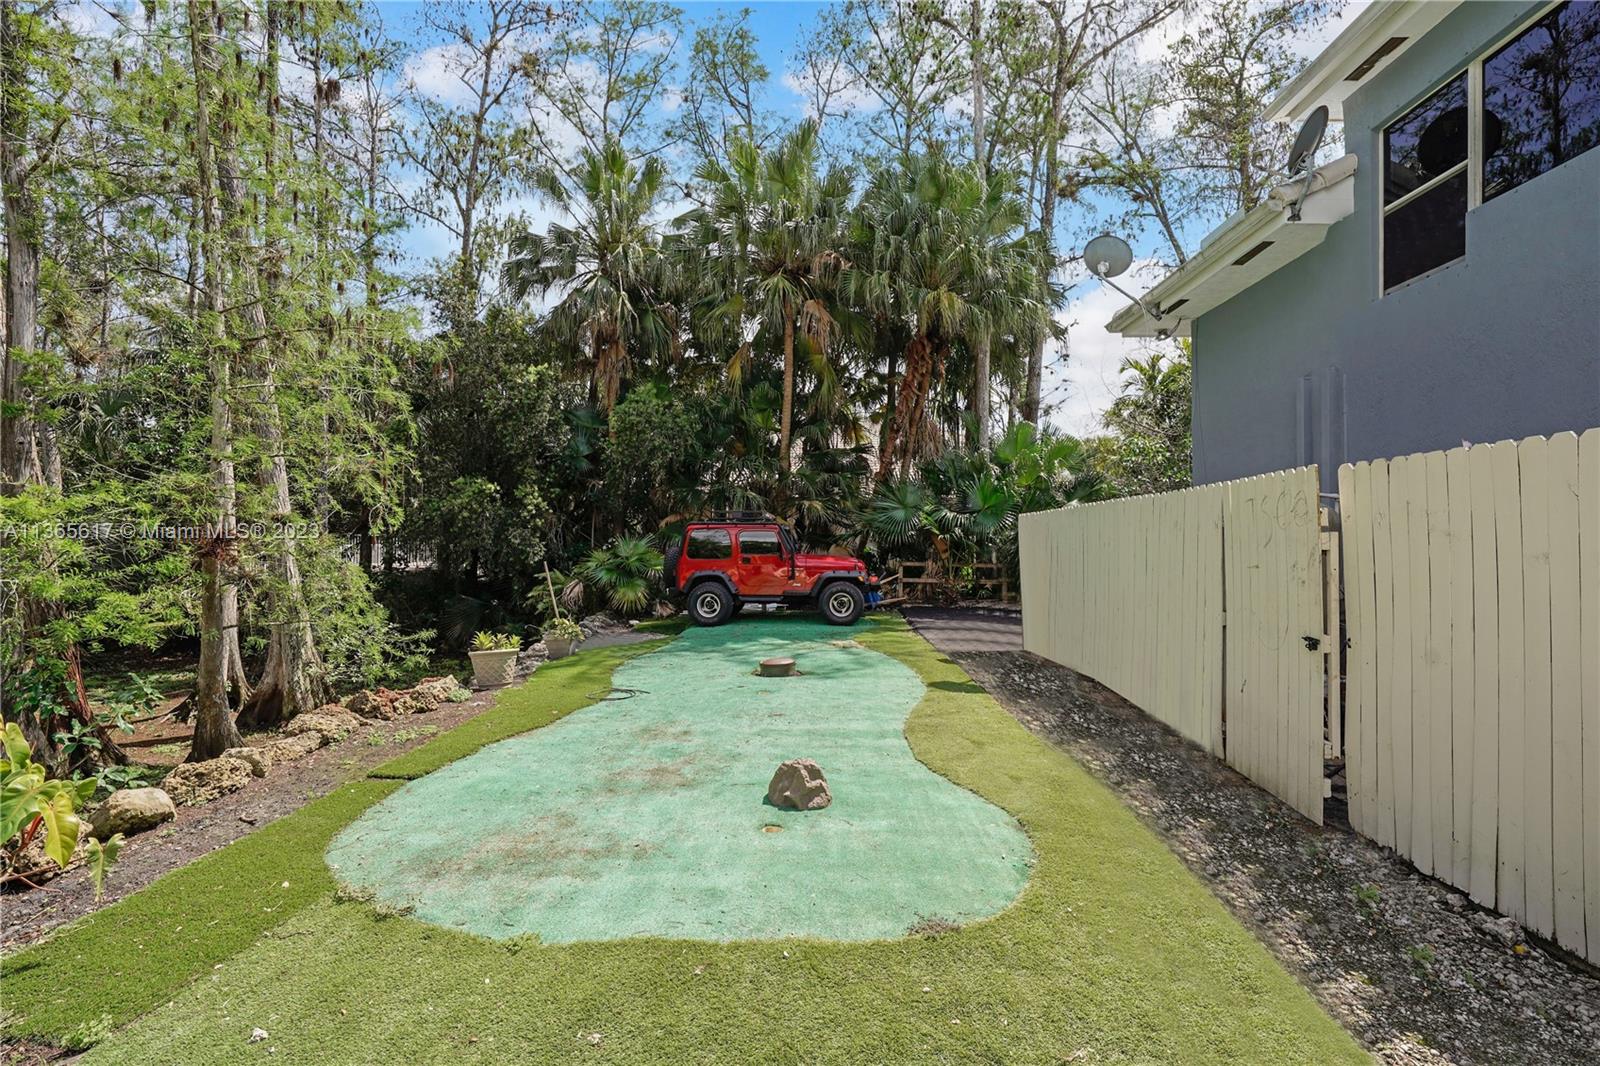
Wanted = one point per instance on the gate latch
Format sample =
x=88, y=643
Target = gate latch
x=1312, y=643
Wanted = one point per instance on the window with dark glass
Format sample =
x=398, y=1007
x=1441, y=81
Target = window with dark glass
x=709, y=544
x=1427, y=142
x=759, y=542
x=1536, y=106
x=1541, y=97
x=1425, y=185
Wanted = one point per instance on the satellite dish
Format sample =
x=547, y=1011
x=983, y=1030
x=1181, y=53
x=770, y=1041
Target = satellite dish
x=1108, y=256
x=1308, y=140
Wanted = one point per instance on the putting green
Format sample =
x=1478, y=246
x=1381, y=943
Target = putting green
x=646, y=816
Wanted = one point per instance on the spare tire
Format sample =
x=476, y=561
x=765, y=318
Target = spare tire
x=669, y=566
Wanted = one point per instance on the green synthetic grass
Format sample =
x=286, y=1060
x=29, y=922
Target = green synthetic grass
x=562, y=687
x=127, y=958
x=1113, y=953
x=120, y=962
x=646, y=816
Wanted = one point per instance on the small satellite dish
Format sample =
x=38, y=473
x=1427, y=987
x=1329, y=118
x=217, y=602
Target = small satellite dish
x=1308, y=140
x=1108, y=256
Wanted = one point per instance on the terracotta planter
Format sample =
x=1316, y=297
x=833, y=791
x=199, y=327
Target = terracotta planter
x=559, y=647
x=491, y=669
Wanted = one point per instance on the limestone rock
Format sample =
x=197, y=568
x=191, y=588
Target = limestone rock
x=379, y=704
x=131, y=810
x=415, y=702
x=601, y=622
x=194, y=783
x=799, y=786
x=260, y=759
x=437, y=691
x=286, y=748
x=332, y=721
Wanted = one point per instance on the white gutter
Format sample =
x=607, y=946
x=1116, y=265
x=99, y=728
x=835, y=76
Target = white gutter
x=1243, y=251
x=1369, y=44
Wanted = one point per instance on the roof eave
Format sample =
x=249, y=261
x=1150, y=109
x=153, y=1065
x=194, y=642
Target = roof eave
x=1244, y=252
x=1331, y=76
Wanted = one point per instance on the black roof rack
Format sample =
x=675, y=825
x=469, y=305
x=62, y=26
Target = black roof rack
x=739, y=516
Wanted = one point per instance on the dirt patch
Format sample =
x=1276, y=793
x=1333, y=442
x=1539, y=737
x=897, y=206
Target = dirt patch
x=1406, y=963
x=656, y=777
x=198, y=830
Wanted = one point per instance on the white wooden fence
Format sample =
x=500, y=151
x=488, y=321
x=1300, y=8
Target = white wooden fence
x=1135, y=594
x=1472, y=601
x=1129, y=592
x=1274, y=703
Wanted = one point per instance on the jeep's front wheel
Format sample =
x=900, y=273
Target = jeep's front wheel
x=841, y=603
x=710, y=604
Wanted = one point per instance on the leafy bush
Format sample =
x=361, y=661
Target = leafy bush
x=31, y=800
x=486, y=641
x=562, y=629
x=627, y=573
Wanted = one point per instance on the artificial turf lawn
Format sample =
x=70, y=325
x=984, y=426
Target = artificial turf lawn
x=1113, y=952
x=564, y=686
x=646, y=816
x=125, y=959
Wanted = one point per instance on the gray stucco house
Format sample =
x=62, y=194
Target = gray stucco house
x=1443, y=280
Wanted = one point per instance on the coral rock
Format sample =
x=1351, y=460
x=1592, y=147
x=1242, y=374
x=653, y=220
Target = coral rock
x=194, y=783
x=131, y=810
x=799, y=785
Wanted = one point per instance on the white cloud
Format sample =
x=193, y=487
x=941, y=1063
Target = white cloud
x=436, y=72
x=1078, y=393
x=846, y=97
x=90, y=19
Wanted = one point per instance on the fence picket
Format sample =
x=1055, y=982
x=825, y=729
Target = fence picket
x=1589, y=583
x=1486, y=680
x=1566, y=697
x=1462, y=689
x=1537, y=862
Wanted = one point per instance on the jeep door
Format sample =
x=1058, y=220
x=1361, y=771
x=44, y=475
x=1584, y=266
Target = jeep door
x=763, y=565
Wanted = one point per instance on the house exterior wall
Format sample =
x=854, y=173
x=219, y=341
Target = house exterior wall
x=1312, y=364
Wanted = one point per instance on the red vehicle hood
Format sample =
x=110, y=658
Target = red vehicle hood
x=828, y=562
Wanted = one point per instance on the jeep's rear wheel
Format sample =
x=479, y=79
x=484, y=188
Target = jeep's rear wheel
x=710, y=604
x=841, y=603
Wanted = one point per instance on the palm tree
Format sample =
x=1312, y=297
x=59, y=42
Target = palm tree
x=940, y=246
x=767, y=244
x=608, y=265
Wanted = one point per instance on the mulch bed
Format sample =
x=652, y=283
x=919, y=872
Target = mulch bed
x=1412, y=968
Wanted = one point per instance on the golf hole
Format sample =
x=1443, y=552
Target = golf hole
x=770, y=828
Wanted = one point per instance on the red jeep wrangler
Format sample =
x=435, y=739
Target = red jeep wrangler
x=726, y=562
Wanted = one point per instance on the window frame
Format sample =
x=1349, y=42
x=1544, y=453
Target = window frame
x=715, y=532
x=1474, y=161
x=762, y=532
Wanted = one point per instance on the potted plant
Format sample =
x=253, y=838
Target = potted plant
x=494, y=658
x=560, y=634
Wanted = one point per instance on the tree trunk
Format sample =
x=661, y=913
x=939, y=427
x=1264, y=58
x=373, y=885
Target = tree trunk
x=293, y=679
x=1066, y=53
x=19, y=459
x=214, y=731
x=785, y=458
x=907, y=409
x=980, y=390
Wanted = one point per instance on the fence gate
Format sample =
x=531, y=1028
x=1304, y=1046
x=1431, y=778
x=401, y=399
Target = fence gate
x=1136, y=593
x=1274, y=670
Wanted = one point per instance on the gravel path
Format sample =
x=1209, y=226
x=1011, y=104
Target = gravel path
x=1411, y=967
